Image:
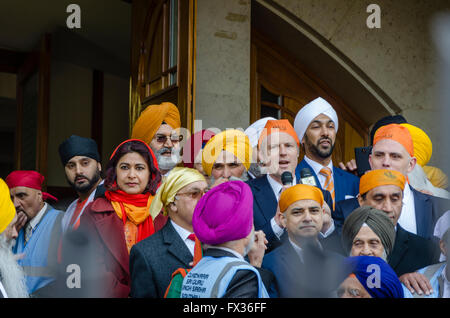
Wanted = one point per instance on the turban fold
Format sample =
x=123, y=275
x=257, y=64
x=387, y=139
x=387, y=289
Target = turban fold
x=366, y=270
x=378, y=222
x=423, y=148
x=29, y=179
x=231, y=140
x=7, y=209
x=280, y=126
x=307, y=114
x=397, y=119
x=397, y=133
x=177, y=179
x=300, y=192
x=375, y=178
x=78, y=146
x=224, y=213
x=254, y=130
x=151, y=119
x=196, y=142
x=436, y=176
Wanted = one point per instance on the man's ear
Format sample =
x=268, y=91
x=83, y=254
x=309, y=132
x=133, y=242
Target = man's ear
x=99, y=166
x=442, y=248
x=173, y=207
x=283, y=219
x=360, y=200
x=370, y=161
x=412, y=164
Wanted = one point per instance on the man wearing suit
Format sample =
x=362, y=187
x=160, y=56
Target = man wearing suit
x=302, y=265
x=316, y=125
x=279, y=149
x=393, y=149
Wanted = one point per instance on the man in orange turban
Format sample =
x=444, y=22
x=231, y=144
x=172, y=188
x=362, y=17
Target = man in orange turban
x=157, y=126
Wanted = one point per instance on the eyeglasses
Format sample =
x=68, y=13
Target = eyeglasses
x=195, y=194
x=162, y=139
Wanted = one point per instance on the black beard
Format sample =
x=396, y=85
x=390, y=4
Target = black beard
x=85, y=187
x=324, y=154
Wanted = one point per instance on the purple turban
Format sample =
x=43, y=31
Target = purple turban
x=224, y=213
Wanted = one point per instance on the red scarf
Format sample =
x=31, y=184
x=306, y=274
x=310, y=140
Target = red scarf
x=128, y=201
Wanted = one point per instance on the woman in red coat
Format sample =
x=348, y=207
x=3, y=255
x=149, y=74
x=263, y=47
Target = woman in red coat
x=121, y=218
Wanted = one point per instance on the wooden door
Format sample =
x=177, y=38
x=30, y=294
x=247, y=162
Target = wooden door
x=281, y=86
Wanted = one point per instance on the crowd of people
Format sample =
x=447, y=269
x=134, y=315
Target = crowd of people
x=232, y=214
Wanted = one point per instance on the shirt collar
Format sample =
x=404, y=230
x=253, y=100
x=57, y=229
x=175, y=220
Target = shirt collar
x=276, y=187
x=35, y=221
x=317, y=166
x=182, y=232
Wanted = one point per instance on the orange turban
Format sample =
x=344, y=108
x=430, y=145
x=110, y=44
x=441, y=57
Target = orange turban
x=397, y=133
x=282, y=125
x=375, y=178
x=299, y=192
x=151, y=119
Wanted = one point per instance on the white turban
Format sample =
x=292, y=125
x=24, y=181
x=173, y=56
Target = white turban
x=254, y=130
x=310, y=111
x=442, y=225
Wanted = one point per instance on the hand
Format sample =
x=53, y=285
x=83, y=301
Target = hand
x=326, y=218
x=349, y=166
x=256, y=253
x=22, y=219
x=416, y=282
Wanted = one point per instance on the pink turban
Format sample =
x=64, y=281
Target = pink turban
x=224, y=213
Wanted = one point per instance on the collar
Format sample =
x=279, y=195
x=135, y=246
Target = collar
x=230, y=251
x=35, y=221
x=407, y=192
x=276, y=187
x=182, y=232
x=297, y=249
x=317, y=166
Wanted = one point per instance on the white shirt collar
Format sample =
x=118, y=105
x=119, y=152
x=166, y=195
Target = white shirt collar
x=35, y=221
x=297, y=249
x=407, y=217
x=183, y=233
x=317, y=166
x=276, y=186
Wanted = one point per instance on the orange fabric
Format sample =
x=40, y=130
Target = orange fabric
x=329, y=184
x=375, y=178
x=397, y=133
x=131, y=234
x=299, y=192
x=282, y=125
x=151, y=119
x=136, y=214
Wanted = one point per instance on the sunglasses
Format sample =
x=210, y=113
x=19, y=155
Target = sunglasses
x=195, y=194
x=163, y=138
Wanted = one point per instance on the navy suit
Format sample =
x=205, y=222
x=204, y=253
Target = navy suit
x=265, y=207
x=428, y=209
x=344, y=183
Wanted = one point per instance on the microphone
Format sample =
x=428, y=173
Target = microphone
x=286, y=178
x=306, y=177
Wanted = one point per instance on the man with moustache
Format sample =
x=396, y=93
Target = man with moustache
x=82, y=168
x=12, y=278
x=157, y=126
x=316, y=125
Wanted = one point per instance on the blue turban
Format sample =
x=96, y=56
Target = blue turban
x=366, y=268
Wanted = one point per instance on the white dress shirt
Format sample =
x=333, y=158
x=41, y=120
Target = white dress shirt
x=317, y=167
x=183, y=233
x=3, y=291
x=408, y=215
x=33, y=223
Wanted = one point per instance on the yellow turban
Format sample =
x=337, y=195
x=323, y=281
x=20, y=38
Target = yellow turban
x=299, y=192
x=177, y=179
x=375, y=178
x=423, y=148
x=436, y=176
x=233, y=141
x=151, y=119
x=7, y=209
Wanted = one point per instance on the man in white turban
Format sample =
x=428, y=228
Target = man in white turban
x=316, y=125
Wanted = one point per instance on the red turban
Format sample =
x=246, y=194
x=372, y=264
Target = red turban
x=29, y=179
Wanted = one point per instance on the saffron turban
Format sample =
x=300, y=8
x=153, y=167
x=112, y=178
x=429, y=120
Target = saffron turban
x=196, y=142
x=29, y=179
x=423, y=148
x=231, y=140
x=299, y=192
x=7, y=209
x=436, y=176
x=310, y=111
x=377, y=277
x=397, y=119
x=376, y=220
x=78, y=146
x=375, y=178
x=280, y=126
x=397, y=133
x=151, y=119
x=177, y=179
x=254, y=130
x=224, y=213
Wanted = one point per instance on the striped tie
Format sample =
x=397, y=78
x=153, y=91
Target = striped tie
x=329, y=185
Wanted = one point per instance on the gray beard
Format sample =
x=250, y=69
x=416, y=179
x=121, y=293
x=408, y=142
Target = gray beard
x=12, y=276
x=167, y=163
x=243, y=178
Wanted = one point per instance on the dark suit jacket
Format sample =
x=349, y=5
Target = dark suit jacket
x=265, y=206
x=428, y=209
x=412, y=252
x=344, y=183
x=318, y=276
x=153, y=260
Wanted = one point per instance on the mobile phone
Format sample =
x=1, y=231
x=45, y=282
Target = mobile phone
x=362, y=159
